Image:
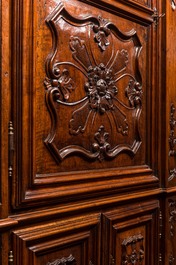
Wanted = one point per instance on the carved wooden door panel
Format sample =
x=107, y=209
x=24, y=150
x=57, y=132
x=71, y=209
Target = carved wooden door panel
x=84, y=87
x=81, y=100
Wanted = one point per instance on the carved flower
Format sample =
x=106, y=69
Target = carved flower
x=100, y=88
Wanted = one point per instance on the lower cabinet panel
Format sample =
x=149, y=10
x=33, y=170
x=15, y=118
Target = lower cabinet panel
x=132, y=233
x=123, y=235
x=71, y=241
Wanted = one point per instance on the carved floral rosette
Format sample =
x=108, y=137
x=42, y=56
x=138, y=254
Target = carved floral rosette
x=95, y=91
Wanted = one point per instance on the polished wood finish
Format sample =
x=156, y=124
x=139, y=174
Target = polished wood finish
x=88, y=132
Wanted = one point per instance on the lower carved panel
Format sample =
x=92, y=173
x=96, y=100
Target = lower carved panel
x=132, y=234
x=68, y=242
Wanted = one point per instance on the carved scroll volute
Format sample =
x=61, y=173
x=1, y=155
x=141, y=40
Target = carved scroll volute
x=99, y=109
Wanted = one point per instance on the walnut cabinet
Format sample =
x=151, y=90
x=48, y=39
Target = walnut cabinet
x=88, y=132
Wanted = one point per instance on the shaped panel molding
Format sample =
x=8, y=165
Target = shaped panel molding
x=84, y=113
x=99, y=86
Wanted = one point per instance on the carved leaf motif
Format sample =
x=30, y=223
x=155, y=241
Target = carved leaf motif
x=120, y=62
x=80, y=119
x=80, y=53
x=120, y=120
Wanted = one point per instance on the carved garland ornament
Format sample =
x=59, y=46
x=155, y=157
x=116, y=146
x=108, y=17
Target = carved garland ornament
x=133, y=250
x=64, y=261
x=100, y=87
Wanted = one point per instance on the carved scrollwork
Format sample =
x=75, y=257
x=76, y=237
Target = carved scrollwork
x=172, y=138
x=97, y=84
x=134, y=93
x=133, y=250
x=172, y=216
x=64, y=261
x=62, y=82
x=172, y=142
